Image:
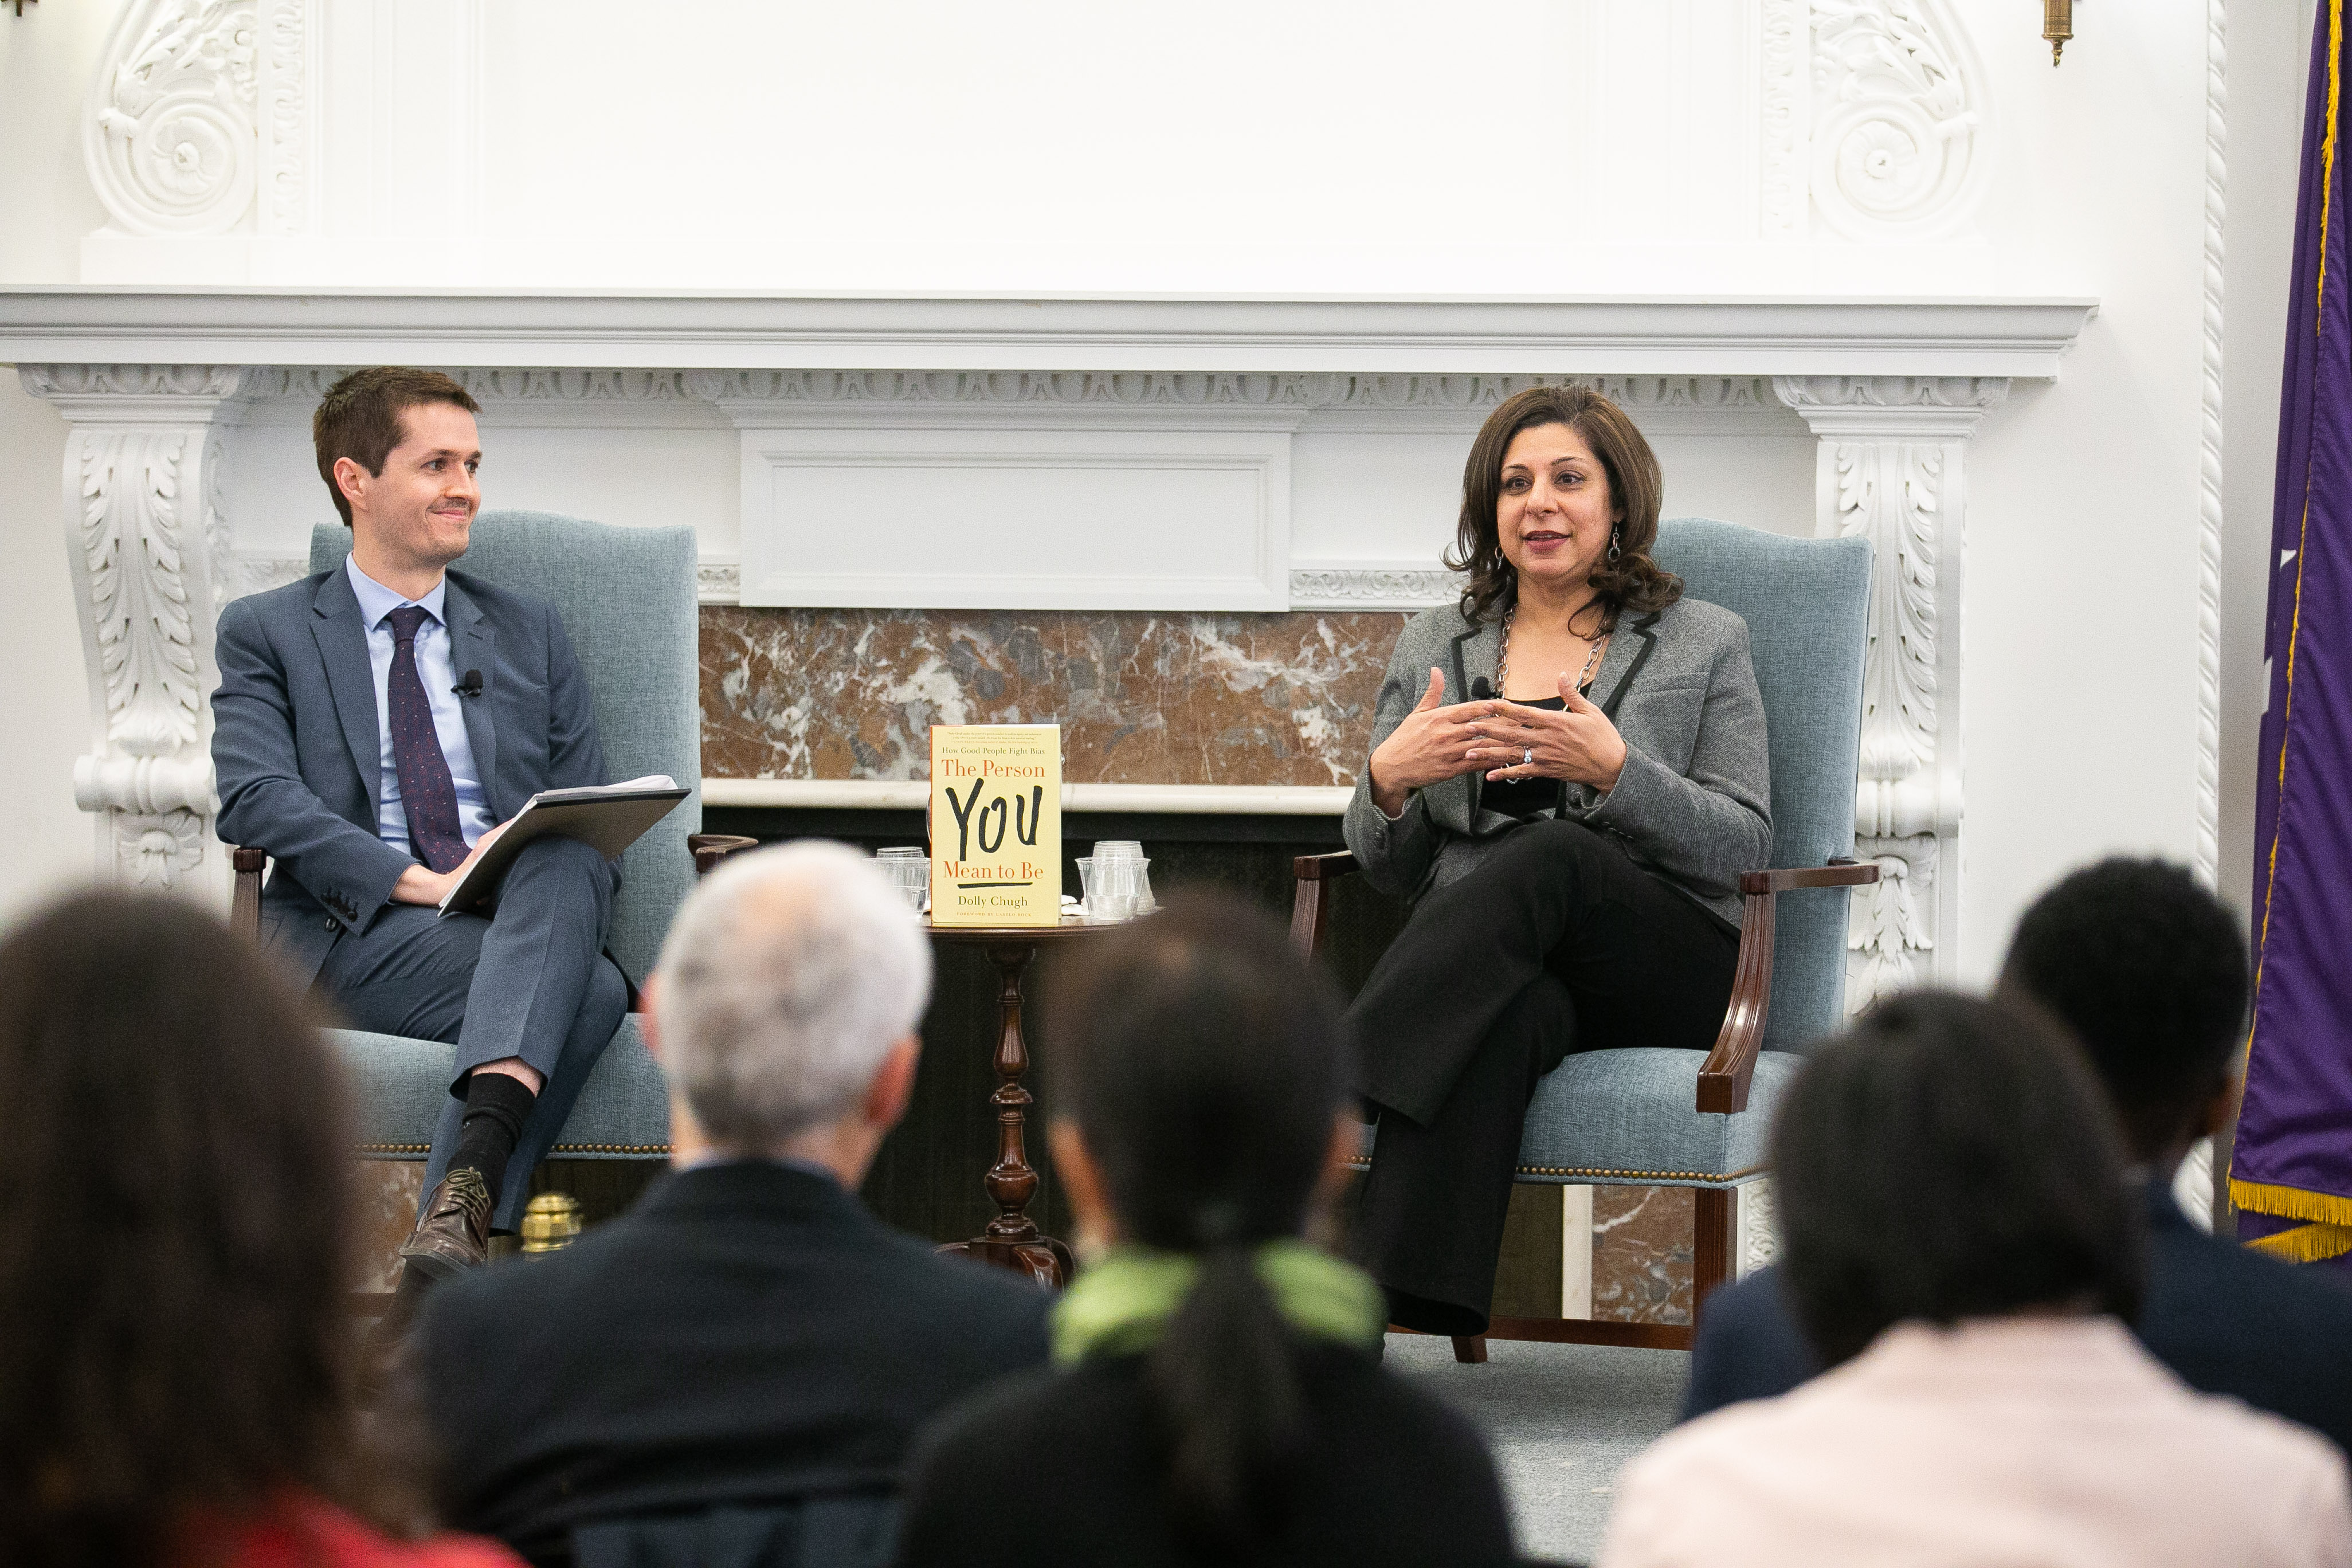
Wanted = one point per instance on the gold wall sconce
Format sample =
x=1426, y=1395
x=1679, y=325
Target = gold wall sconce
x=2057, y=25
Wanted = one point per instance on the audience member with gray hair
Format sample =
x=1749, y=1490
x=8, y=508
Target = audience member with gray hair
x=747, y=1337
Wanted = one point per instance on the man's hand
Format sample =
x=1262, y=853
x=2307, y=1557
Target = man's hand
x=1431, y=745
x=420, y=885
x=1579, y=744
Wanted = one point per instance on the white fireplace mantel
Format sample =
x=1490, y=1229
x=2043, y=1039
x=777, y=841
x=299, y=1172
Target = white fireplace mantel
x=2014, y=336
x=1890, y=388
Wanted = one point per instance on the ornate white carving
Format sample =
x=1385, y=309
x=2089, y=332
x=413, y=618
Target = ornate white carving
x=287, y=31
x=257, y=573
x=108, y=385
x=1887, y=492
x=134, y=540
x=1819, y=397
x=1371, y=587
x=1758, y=1232
x=153, y=564
x=1889, y=470
x=719, y=580
x=2207, y=853
x=1184, y=389
x=1888, y=924
x=169, y=135
x=1785, y=42
x=1898, y=119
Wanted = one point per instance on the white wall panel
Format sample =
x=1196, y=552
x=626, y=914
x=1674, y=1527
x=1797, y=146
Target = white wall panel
x=1090, y=519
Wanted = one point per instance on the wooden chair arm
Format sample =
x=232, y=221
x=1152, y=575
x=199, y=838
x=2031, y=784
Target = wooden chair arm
x=1836, y=874
x=1724, y=1076
x=245, y=902
x=1310, y=903
x=709, y=849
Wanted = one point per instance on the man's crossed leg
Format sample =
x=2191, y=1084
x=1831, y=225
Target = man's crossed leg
x=530, y=1002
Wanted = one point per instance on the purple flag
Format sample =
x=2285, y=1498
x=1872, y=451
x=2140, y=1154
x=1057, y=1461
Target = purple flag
x=2291, y=1176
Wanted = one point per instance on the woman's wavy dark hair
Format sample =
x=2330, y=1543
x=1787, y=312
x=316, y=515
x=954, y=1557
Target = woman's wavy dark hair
x=1949, y=1158
x=174, y=1212
x=1635, y=582
x=1203, y=1063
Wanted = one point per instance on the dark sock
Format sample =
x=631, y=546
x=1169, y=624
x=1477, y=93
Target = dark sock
x=496, y=1105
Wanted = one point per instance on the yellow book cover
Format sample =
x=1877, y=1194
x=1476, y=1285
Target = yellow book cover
x=996, y=824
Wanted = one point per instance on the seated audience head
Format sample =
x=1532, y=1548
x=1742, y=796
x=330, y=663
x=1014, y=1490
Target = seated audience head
x=2148, y=969
x=176, y=1343
x=785, y=1007
x=1199, y=1072
x=1946, y=1159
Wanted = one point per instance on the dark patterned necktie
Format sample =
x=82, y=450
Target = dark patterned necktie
x=426, y=789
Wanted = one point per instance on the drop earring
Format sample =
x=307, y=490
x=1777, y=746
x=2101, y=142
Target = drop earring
x=1612, y=546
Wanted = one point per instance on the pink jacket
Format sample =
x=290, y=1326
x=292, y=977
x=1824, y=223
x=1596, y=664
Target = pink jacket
x=2043, y=1441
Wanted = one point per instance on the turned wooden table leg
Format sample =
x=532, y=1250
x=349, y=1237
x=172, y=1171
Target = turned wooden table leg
x=1012, y=1240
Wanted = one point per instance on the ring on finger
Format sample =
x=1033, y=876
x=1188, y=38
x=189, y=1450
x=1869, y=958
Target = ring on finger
x=1528, y=758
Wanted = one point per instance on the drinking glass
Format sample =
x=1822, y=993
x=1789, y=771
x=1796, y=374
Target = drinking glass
x=909, y=870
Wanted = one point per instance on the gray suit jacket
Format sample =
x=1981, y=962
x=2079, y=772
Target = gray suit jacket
x=296, y=748
x=1694, y=805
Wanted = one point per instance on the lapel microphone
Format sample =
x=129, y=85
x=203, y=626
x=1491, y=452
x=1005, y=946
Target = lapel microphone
x=471, y=686
x=1481, y=689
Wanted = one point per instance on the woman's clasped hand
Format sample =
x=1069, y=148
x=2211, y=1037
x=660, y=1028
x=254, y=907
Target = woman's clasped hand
x=1438, y=741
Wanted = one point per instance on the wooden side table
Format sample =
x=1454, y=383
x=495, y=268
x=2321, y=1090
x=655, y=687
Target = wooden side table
x=1012, y=1240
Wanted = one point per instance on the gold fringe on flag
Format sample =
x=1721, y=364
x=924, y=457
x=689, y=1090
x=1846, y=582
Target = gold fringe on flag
x=2328, y=1233
x=2306, y=1243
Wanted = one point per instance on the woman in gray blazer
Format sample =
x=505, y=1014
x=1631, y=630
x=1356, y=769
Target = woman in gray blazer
x=1568, y=777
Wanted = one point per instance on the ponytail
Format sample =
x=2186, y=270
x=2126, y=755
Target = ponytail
x=1204, y=1062
x=1230, y=1413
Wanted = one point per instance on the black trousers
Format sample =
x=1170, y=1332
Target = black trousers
x=1555, y=942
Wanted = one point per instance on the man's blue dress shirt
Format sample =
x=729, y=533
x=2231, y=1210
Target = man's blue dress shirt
x=376, y=602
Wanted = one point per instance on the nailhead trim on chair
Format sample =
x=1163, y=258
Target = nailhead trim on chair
x=1719, y=1176
x=1715, y=1178
x=560, y=1148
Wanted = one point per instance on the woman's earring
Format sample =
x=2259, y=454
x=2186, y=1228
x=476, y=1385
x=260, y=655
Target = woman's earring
x=1612, y=546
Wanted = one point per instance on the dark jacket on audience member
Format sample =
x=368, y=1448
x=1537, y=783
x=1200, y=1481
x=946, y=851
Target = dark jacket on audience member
x=746, y=1333
x=2226, y=1320
x=1390, y=1476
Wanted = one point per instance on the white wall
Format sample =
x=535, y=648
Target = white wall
x=45, y=714
x=1397, y=148
x=45, y=206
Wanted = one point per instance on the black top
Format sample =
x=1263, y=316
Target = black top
x=1393, y=1477
x=1526, y=798
x=2226, y=1320
x=747, y=1333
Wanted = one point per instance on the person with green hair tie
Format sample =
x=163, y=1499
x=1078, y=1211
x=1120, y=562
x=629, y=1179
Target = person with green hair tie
x=1217, y=1394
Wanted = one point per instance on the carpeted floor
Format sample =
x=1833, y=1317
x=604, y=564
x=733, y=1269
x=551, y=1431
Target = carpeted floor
x=1563, y=1419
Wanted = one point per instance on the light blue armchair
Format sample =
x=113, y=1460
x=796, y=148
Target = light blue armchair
x=627, y=599
x=1654, y=1117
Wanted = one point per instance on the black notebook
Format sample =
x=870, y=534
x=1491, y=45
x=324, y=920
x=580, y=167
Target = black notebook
x=610, y=817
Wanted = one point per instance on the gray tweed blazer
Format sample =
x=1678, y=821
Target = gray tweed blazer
x=1694, y=805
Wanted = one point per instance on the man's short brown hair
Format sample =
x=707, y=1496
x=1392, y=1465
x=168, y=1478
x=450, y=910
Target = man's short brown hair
x=359, y=418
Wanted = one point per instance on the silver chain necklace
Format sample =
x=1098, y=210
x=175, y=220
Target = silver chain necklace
x=1503, y=656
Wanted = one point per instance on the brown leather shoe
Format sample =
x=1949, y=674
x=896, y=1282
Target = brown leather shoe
x=453, y=1232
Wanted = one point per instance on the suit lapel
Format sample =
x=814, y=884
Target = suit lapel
x=342, y=638
x=1476, y=651
x=1628, y=654
x=474, y=645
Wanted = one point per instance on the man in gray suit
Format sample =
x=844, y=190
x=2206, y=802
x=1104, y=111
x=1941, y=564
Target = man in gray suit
x=375, y=725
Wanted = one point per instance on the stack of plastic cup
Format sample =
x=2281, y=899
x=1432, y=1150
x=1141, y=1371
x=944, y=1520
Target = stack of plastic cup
x=1119, y=884
x=909, y=870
